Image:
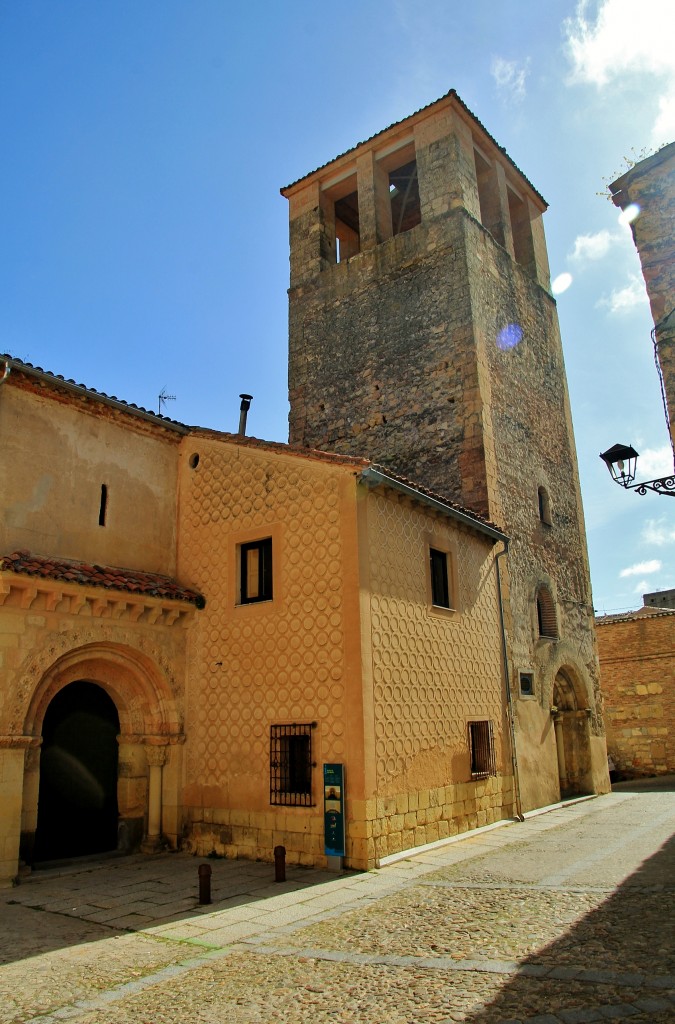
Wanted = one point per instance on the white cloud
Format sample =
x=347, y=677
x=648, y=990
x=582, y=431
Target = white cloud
x=655, y=462
x=592, y=247
x=626, y=40
x=641, y=568
x=510, y=77
x=655, y=531
x=641, y=588
x=623, y=300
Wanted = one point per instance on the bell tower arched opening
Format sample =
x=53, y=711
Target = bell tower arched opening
x=77, y=802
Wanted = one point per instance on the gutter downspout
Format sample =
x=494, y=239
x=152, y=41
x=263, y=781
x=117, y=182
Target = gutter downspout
x=507, y=687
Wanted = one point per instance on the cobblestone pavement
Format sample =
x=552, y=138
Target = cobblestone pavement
x=564, y=919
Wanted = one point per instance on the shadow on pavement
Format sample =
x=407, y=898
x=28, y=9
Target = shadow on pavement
x=86, y=902
x=631, y=934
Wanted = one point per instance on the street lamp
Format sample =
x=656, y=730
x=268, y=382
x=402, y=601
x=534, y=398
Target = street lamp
x=621, y=461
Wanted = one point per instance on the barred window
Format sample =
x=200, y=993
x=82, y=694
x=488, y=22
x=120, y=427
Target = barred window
x=482, y=750
x=291, y=764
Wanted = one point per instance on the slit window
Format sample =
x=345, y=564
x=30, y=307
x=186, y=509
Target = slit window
x=440, y=578
x=255, y=569
x=404, y=195
x=482, y=750
x=291, y=764
x=544, y=506
x=103, y=507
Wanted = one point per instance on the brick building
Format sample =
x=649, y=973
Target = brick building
x=637, y=660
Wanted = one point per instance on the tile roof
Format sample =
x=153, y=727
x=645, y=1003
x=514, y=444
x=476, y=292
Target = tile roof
x=451, y=95
x=646, y=612
x=274, y=447
x=358, y=462
x=57, y=380
x=132, y=581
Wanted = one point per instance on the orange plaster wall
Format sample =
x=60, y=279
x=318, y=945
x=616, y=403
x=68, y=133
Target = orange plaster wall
x=433, y=671
x=57, y=453
x=293, y=659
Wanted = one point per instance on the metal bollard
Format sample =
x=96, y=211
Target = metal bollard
x=279, y=863
x=204, y=872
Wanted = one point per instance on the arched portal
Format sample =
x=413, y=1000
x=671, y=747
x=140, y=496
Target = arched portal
x=570, y=718
x=77, y=802
x=134, y=706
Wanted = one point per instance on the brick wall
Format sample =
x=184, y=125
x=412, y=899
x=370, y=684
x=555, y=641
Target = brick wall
x=637, y=668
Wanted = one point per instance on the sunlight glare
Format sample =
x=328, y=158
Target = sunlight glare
x=628, y=215
x=561, y=283
x=509, y=336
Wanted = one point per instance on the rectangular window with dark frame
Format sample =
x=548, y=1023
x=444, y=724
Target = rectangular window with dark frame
x=440, y=584
x=256, y=571
x=291, y=764
x=482, y=750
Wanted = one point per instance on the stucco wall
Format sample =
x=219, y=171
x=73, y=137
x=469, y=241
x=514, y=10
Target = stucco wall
x=57, y=454
x=433, y=671
x=294, y=659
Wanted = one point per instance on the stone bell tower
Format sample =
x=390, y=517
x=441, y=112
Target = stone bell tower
x=423, y=335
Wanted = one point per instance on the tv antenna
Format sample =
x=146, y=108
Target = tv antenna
x=162, y=399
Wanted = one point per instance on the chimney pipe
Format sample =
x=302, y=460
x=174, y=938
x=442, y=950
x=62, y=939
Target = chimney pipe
x=243, y=411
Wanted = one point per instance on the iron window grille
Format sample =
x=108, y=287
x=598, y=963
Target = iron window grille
x=291, y=764
x=440, y=584
x=482, y=749
x=256, y=571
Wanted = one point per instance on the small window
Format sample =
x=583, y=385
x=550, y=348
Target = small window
x=482, y=749
x=440, y=582
x=526, y=684
x=256, y=571
x=103, y=507
x=546, y=618
x=544, y=506
x=291, y=764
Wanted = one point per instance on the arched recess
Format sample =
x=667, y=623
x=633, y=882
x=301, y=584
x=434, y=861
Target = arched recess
x=572, y=734
x=148, y=720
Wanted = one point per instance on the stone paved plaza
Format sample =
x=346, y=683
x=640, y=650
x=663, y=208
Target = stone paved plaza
x=564, y=919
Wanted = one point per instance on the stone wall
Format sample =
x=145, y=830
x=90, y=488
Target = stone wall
x=437, y=353
x=650, y=185
x=637, y=664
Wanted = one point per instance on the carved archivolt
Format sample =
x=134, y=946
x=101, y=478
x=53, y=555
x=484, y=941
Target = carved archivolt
x=141, y=692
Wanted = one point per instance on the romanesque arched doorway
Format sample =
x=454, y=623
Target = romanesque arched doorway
x=77, y=802
x=571, y=721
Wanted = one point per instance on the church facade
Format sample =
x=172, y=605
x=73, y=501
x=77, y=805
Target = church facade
x=197, y=628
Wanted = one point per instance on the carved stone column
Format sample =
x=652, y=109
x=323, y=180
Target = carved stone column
x=560, y=750
x=156, y=757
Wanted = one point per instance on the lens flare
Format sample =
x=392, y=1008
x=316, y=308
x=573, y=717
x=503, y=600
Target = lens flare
x=509, y=336
x=628, y=215
x=561, y=283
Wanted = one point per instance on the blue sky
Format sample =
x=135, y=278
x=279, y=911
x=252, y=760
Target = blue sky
x=145, y=243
